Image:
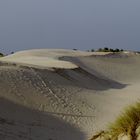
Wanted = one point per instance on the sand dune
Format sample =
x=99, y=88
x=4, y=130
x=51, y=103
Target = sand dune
x=46, y=58
x=63, y=94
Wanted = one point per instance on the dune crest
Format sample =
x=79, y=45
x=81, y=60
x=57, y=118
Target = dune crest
x=44, y=58
x=47, y=58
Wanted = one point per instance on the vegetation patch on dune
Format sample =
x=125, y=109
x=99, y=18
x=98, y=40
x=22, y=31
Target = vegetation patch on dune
x=106, y=49
x=1, y=54
x=126, y=126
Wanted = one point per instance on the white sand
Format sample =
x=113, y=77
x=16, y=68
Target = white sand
x=69, y=104
x=46, y=58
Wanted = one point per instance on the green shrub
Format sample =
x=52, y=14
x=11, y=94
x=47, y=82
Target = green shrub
x=106, y=49
x=1, y=54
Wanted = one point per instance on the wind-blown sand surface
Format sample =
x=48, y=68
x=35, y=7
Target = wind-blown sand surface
x=63, y=94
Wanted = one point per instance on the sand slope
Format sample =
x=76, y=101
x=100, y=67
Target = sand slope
x=44, y=102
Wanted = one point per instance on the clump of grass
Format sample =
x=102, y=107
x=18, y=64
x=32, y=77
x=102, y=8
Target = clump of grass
x=127, y=122
x=102, y=135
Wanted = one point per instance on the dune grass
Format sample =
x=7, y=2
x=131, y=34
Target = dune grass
x=127, y=123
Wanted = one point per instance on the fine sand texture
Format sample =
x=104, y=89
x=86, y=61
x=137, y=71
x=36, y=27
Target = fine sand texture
x=51, y=94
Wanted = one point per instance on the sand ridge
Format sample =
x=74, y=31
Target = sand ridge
x=46, y=58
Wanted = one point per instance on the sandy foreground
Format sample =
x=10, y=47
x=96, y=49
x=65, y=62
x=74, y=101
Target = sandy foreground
x=64, y=95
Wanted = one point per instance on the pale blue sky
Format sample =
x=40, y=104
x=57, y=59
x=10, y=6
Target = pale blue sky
x=81, y=24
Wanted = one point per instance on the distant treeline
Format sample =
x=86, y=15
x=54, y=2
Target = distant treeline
x=106, y=49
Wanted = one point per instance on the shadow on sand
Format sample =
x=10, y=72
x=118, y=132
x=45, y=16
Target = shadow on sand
x=88, y=78
x=81, y=77
x=20, y=123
